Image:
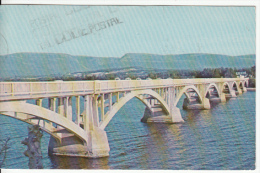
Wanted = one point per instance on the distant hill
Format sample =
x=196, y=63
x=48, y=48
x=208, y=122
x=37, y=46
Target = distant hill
x=50, y=64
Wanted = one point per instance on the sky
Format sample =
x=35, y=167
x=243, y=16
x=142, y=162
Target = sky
x=112, y=31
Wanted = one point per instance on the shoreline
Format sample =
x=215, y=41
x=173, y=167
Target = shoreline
x=251, y=89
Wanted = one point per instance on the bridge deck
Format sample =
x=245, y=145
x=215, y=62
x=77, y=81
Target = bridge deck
x=34, y=90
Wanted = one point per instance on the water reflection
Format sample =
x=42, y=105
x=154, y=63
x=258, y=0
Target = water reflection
x=167, y=143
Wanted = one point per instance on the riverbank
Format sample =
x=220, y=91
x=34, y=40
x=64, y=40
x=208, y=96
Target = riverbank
x=251, y=89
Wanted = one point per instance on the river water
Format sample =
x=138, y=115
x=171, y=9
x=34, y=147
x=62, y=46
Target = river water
x=220, y=138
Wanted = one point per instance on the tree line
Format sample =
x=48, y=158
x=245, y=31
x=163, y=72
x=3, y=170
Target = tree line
x=154, y=74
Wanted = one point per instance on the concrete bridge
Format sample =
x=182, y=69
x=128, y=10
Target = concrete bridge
x=86, y=136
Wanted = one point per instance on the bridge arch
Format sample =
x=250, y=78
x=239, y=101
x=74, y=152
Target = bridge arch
x=45, y=114
x=242, y=84
x=184, y=91
x=234, y=86
x=43, y=127
x=228, y=87
x=138, y=94
x=215, y=86
x=145, y=102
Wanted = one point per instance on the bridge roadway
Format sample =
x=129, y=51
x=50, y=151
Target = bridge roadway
x=86, y=136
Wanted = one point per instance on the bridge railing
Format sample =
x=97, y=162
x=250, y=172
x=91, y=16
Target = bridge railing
x=21, y=88
x=130, y=84
x=31, y=88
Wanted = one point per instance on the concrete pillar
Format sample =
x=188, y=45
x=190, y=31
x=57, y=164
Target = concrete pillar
x=117, y=96
x=221, y=94
x=84, y=116
x=61, y=106
x=110, y=98
x=78, y=110
x=155, y=100
x=68, y=107
x=171, y=100
x=206, y=103
x=162, y=92
x=97, y=144
x=88, y=113
x=239, y=90
x=223, y=97
x=152, y=102
x=233, y=93
x=176, y=115
x=52, y=104
x=95, y=115
x=102, y=108
x=244, y=89
x=39, y=102
x=166, y=95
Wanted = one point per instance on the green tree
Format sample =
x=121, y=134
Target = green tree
x=152, y=75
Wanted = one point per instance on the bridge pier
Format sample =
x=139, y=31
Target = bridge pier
x=70, y=145
x=239, y=91
x=204, y=105
x=97, y=145
x=176, y=115
x=157, y=115
x=232, y=94
x=223, y=97
x=97, y=142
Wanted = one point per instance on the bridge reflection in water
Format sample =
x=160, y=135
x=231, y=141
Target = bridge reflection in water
x=86, y=135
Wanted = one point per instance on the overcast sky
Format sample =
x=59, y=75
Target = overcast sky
x=113, y=31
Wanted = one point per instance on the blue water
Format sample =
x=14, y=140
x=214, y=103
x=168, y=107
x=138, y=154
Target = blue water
x=220, y=138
